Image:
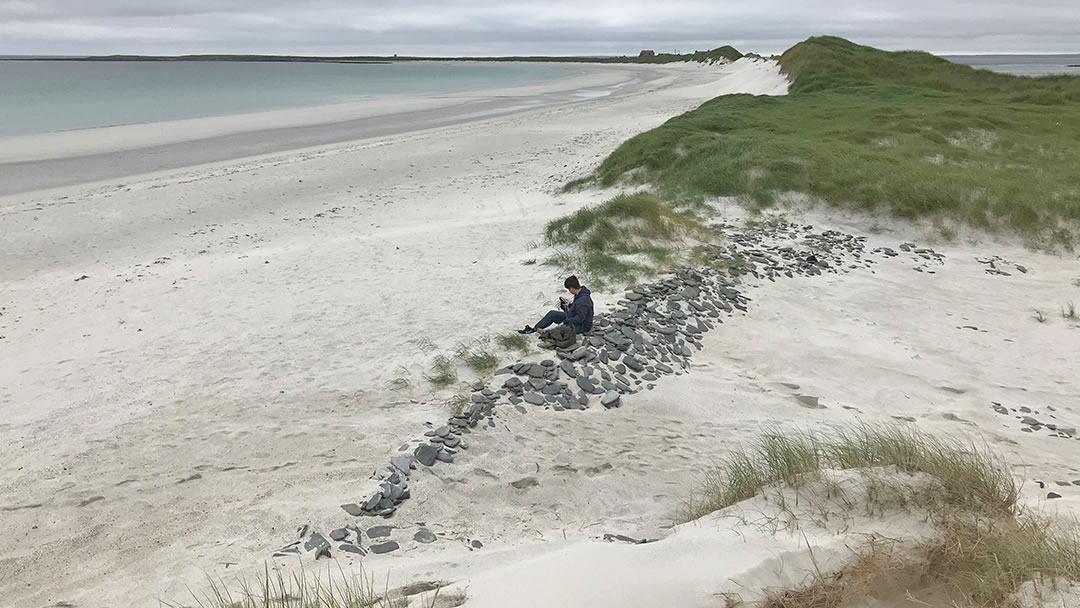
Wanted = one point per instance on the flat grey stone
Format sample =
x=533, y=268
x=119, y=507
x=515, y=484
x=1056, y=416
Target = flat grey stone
x=426, y=454
x=379, y=531
x=353, y=509
x=317, y=545
x=373, y=502
x=401, y=463
x=346, y=547
x=586, y=385
x=534, y=399
x=512, y=382
x=548, y=363
x=339, y=534
x=633, y=363
x=445, y=457
x=536, y=371
x=552, y=389
x=477, y=544
x=610, y=399
x=425, y=536
x=809, y=401
x=664, y=368
x=568, y=368
x=386, y=547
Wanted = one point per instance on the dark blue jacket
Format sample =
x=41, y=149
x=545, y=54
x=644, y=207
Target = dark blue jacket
x=580, y=311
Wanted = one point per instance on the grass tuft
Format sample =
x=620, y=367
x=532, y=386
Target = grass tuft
x=988, y=561
x=276, y=589
x=443, y=372
x=477, y=357
x=514, y=342
x=457, y=404
x=1039, y=316
x=972, y=477
x=623, y=239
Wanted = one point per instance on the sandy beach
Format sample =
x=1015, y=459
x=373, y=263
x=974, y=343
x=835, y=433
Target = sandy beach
x=198, y=359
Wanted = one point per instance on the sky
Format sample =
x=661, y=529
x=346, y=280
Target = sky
x=527, y=27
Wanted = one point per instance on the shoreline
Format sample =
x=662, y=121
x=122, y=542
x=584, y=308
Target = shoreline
x=30, y=163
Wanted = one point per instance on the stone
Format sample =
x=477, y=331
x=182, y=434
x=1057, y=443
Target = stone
x=526, y=482
x=386, y=547
x=317, y=545
x=536, y=371
x=512, y=382
x=373, y=502
x=664, y=368
x=568, y=368
x=346, y=547
x=425, y=536
x=401, y=463
x=552, y=389
x=579, y=353
x=339, y=534
x=610, y=399
x=1052, y=495
x=547, y=363
x=445, y=457
x=809, y=401
x=379, y=531
x=587, y=385
x=426, y=454
x=633, y=363
x=534, y=399
x=353, y=509
x=476, y=544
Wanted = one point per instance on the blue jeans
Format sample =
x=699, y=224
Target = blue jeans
x=553, y=316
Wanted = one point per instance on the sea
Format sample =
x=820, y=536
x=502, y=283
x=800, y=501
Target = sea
x=43, y=96
x=1022, y=65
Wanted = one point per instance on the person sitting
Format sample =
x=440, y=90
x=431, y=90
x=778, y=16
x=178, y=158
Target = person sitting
x=578, y=313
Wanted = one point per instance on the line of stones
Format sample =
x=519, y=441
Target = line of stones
x=652, y=332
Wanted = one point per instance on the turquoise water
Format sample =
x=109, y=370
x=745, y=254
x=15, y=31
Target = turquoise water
x=47, y=96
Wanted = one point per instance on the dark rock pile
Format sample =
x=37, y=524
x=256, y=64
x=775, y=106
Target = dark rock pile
x=1030, y=424
x=996, y=265
x=651, y=332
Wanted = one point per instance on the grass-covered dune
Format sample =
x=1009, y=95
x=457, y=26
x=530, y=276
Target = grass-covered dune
x=902, y=133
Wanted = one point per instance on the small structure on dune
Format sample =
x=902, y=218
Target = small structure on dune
x=646, y=53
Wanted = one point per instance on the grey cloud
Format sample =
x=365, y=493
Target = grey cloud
x=453, y=27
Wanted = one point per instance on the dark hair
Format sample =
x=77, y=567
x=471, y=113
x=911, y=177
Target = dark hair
x=571, y=282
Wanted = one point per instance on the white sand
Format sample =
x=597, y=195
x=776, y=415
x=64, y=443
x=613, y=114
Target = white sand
x=220, y=377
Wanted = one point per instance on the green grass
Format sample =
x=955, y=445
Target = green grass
x=457, y=404
x=443, y=372
x=477, y=357
x=971, y=476
x=622, y=239
x=984, y=549
x=903, y=134
x=514, y=342
x=301, y=589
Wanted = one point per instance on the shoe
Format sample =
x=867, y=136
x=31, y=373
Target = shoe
x=527, y=330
